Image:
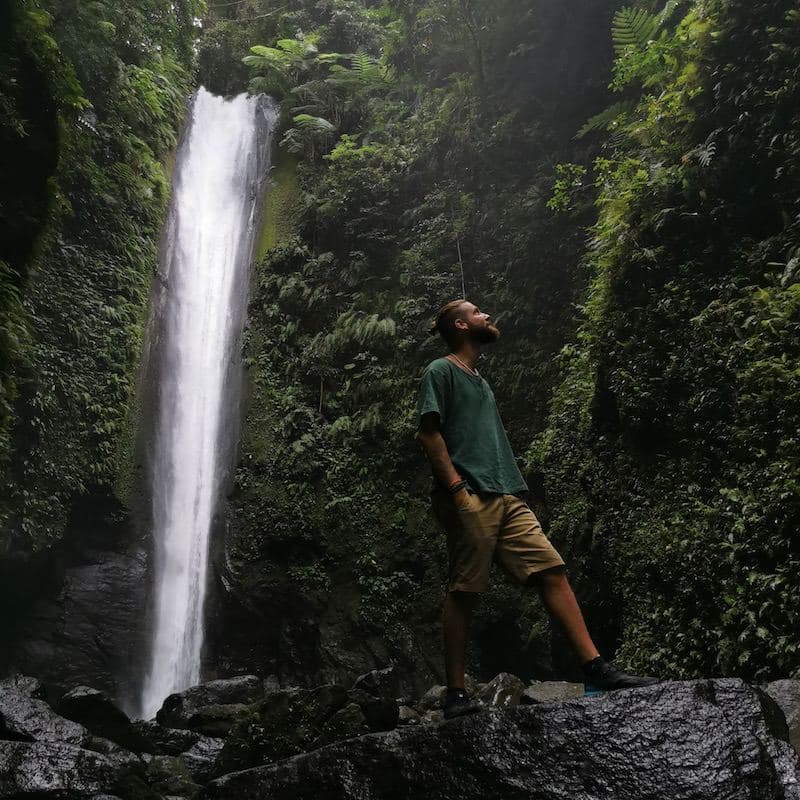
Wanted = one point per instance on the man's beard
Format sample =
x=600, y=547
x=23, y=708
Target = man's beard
x=485, y=335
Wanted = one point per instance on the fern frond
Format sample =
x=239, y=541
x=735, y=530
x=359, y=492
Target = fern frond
x=297, y=48
x=607, y=119
x=633, y=27
x=668, y=11
x=310, y=123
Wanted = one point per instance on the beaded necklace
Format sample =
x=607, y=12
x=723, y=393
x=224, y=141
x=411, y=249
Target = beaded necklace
x=471, y=371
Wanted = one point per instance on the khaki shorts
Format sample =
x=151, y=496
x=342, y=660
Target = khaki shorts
x=491, y=527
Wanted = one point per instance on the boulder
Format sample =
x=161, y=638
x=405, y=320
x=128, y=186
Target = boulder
x=283, y=724
x=691, y=740
x=198, y=753
x=30, y=687
x=168, y=776
x=551, y=691
x=407, y=716
x=786, y=693
x=381, y=712
x=344, y=724
x=60, y=771
x=166, y=741
x=27, y=719
x=432, y=699
x=180, y=708
x=503, y=691
x=95, y=711
x=379, y=682
x=201, y=758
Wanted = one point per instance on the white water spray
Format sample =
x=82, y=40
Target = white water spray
x=207, y=247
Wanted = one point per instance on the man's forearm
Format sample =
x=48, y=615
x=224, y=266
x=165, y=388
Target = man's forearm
x=436, y=451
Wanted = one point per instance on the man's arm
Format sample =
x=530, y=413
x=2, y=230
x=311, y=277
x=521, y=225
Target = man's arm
x=436, y=451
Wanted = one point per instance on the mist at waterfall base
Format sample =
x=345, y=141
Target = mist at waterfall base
x=196, y=325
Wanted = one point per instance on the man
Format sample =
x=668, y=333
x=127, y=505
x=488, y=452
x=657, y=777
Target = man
x=476, y=500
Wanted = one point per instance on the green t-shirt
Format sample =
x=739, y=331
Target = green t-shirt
x=471, y=426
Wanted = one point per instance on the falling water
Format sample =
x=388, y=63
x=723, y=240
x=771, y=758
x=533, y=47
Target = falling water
x=206, y=251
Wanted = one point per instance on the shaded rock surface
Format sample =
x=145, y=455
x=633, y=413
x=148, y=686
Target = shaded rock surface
x=379, y=682
x=28, y=719
x=94, y=710
x=786, y=693
x=550, y=691
x=207, y=707
x=59, y=770
x=718, y=739
x=503, y=691
x=77, y=610
x=698, y=740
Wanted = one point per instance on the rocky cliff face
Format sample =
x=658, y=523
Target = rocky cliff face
x=247, y=738
x=74, y=614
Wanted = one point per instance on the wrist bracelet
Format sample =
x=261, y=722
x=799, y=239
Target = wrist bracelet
x=455, y=487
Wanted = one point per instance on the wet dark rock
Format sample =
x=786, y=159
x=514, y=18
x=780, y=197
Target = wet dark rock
x=201, y=758
x=95, y=711
x=30, y=687
x=786, y=693
x=693, y=740
x=217, y=721
x=379, y=682
x=169, y=776
x=503, y=691
x=432, y=699
x=551, y=691
x=344, y=724
x=283, y=724
x=407, y=716
x=78, y=610
x=166, y=741
x=180, y=708
x=63, y=771
x=198, y=753
x=381, y=713
x=28, y=719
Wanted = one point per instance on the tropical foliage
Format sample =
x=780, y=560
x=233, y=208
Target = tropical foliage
x=671, y=441
x=94, y=94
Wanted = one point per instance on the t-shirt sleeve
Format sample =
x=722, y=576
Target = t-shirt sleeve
x=433, y=394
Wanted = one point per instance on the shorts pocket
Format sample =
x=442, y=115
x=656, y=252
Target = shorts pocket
x=469, y=504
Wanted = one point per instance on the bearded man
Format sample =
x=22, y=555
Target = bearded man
x=477, y=500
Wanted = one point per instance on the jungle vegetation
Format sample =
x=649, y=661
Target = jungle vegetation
x=617, y=183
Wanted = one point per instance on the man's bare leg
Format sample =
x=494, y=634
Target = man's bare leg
x=456, y=615
x=559, y=599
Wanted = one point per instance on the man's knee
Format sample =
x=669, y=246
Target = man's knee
x=462, y=601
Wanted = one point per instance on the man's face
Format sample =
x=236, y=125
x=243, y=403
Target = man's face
x=480, y=327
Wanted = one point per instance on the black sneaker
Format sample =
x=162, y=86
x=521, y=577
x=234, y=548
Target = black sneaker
x=603, y=676
x=458, y=702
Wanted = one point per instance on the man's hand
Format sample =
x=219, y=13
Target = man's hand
x=461, y=498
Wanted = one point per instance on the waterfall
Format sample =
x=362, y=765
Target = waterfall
x=207, y=245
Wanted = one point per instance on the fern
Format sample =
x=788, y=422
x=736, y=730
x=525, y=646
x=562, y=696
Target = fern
x=633, y=28
x=313, y=124
x=608, y=119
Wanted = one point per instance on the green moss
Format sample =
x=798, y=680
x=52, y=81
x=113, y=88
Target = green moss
x=282, y=204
